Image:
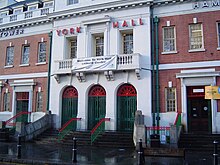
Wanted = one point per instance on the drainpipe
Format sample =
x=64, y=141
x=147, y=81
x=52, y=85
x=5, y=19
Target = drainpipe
x=153, y=69
x=156, y=21
x=49, y=70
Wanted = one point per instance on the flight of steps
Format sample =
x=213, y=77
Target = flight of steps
x=47, y=137
x=198, y=141
x=115, y=139
x=107, y=139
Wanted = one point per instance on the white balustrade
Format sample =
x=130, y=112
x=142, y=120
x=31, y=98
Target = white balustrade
x=124, y=62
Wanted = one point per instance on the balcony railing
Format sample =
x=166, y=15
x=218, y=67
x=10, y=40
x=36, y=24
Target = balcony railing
x=26, y=15
x=123, y=62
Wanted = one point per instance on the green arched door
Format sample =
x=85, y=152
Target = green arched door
x=96, y=105
x=126, y=107
x=69, y=105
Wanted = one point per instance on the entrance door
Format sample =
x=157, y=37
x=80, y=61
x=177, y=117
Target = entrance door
x=96, y=105
x=126, y=107
x=199, y=114
x=69, y=106
x=22, y=102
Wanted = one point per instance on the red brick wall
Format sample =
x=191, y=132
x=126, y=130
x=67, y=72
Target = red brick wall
x=32, y=68
x=181, y=23
x=18, y=43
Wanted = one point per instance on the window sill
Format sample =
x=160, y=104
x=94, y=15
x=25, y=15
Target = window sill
x=23, y=65
x=9, y=66
x=196, y=50
x=171, y=52
x=218, y=48
x=41, y=63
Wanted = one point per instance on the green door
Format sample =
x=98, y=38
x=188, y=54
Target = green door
x=96, y=105
x=69, y=106
x=126, y=107
x=22, y=101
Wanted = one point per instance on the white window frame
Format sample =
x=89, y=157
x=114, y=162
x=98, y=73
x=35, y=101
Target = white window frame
x=98, y=49
x=42, y=53
x=168, y=40
x=6, y=101
x=48, y=4
x=17, y=11
x=129, y=42
x=73, y=48
x=201, y=48
x=32, y=8
x=39, y=102
x=170, y=103
x=71, y=2
x=9, y=57
x=218, y=34
x=25, y=54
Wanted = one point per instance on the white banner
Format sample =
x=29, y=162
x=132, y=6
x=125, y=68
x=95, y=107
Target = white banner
x=95, y=63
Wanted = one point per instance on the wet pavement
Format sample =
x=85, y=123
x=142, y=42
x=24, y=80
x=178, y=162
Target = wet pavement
x=48, y=154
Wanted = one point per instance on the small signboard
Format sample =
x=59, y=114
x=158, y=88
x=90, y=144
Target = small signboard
x=212, y=92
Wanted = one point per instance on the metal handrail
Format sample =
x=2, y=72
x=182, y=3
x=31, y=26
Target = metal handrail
x=7, y=122
x=65, y=128
x=178, y=119
x=99, y=127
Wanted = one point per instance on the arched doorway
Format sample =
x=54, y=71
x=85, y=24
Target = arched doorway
x=96, y=105
x=126, y=107
x=69, y=105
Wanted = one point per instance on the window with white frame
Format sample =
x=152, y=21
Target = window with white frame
x=39, y=102
x=25, y=54
x=170, y=96
x=196, y=36
x=73, y=48
x=17, y=11
x=31, y=8
x=50, y=4
x=4, y=14
x=218, y=31
x=169, y=39
x=6, y=103
x=70, y=2
x=9, y=56
x=127, y=42
x=98, y=48
x=42, y=52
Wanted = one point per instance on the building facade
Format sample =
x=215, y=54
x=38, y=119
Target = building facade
x=25, y=49
x=189, y=57
x=101, y=64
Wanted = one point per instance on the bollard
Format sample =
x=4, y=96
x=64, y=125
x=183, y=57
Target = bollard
x=215, y=155
x=141, y=159
x=19, y=147
x=74, y=151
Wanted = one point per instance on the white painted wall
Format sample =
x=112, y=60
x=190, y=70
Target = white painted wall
x=141, y=45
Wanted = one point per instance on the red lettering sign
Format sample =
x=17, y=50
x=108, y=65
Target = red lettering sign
x=64, y=31
x=58, y=32
x=124, y=24
x=69, y=31
x=78, y=29
x=115, y=24
x=132, y=23
x=140, y=21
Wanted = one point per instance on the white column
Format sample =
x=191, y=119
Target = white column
x=111, y=109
